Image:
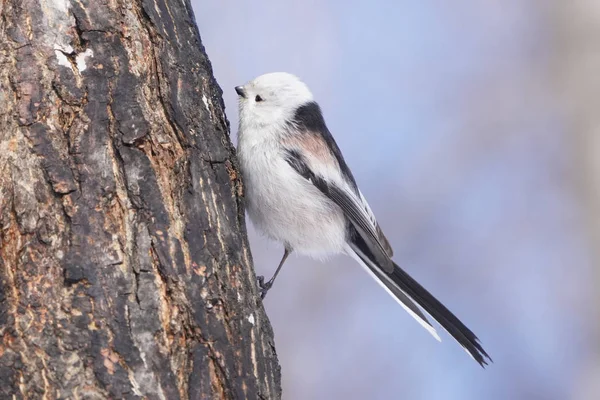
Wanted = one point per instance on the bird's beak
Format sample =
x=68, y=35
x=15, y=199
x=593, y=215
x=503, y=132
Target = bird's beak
x=240, y=91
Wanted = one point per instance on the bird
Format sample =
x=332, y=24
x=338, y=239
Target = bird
x=300, y=192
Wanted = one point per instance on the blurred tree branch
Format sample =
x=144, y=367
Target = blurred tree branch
x=577, y=60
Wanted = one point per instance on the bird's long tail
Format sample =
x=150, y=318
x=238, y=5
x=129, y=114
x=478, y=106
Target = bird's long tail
x=409, y=292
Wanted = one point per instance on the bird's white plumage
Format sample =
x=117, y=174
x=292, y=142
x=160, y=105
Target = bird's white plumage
x=282, y=94
x=286, y=206
x=300, y=192
x=279, y=201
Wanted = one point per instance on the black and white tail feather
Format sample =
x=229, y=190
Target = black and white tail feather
x=407, y=292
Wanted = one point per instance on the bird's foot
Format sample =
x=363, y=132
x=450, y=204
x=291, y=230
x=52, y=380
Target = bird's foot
x=264, y=286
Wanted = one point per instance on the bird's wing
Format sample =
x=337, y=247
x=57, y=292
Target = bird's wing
x=366, y=247
x=316, y=157
x=380, y=236
x=330, y=181
x=311, y=138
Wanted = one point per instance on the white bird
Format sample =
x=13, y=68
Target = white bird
x=300, y=192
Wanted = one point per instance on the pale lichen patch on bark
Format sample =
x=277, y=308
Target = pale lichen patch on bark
x=62, y=59
x=80, y=59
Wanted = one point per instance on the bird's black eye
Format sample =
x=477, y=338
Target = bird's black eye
x=258, y=98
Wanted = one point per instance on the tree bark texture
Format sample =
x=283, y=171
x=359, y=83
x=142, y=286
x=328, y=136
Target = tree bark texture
x=124, y=264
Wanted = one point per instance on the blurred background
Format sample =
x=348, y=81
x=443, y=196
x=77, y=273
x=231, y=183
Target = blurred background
x=473, y=129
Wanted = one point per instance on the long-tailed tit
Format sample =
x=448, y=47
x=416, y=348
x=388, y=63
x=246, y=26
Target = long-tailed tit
x=300, y=191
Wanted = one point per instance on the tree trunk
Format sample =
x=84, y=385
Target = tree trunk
x=124, y=264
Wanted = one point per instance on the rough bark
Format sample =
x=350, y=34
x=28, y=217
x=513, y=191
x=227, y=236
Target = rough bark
x=124, y=266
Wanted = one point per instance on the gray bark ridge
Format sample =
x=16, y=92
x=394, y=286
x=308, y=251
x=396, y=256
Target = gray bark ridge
x=124, y=263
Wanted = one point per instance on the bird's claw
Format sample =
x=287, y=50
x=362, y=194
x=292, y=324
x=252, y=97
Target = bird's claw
x=264, y=286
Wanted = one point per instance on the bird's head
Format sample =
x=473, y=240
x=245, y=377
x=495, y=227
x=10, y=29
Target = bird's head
x=271, y=100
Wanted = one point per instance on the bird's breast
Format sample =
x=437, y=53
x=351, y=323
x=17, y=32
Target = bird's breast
x=286, y=206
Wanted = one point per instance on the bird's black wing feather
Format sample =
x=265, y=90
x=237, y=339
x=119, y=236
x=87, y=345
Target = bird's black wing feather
x=348, y=203
x=402, y=285
x=309, y=118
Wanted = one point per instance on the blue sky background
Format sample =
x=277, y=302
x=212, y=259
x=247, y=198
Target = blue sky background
x=448, y=117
